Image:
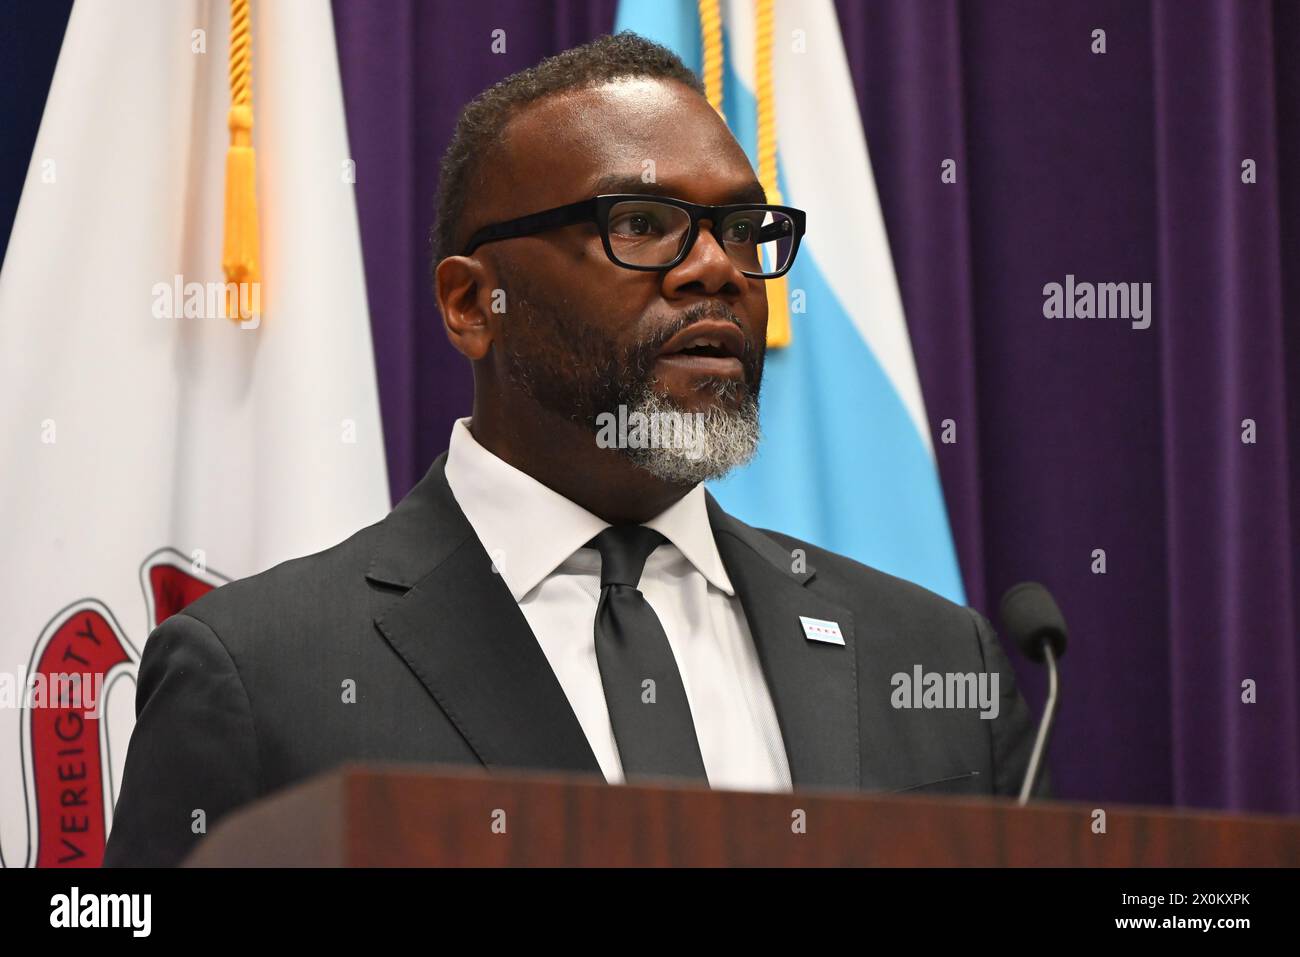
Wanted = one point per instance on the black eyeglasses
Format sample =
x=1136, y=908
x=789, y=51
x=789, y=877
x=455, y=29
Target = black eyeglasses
x=658, y=232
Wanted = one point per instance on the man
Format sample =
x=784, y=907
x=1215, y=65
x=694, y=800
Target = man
x=555, y=593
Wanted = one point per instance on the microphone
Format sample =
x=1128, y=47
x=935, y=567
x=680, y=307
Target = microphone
x=1030, y=617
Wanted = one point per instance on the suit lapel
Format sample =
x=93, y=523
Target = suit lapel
x=814, y=684
x=453, y=620
x=455, y=623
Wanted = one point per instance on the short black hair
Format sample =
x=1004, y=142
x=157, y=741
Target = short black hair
x=482, y=121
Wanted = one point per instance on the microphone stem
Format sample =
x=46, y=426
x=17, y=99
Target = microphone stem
x=1044, y=728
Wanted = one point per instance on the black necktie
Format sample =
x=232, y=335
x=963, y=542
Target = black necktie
x=643, y=688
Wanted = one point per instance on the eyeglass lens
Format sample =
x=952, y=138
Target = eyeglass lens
x=649, y=233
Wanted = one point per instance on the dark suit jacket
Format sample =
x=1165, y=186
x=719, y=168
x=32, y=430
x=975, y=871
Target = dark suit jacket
x=243, y=692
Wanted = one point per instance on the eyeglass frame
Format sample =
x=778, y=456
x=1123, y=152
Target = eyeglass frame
x=597, y=208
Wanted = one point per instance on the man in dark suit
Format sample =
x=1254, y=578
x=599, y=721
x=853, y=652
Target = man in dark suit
x=560, y=592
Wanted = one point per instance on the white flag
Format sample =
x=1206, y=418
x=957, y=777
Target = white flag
x=147, y=458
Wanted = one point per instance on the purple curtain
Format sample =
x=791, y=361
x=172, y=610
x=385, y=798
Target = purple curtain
x=1074, y=436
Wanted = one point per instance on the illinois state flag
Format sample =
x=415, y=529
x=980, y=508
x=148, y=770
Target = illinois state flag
x=847, y=461
x=153, y=448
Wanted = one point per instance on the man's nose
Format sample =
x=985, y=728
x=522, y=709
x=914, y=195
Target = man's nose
x=707, y=269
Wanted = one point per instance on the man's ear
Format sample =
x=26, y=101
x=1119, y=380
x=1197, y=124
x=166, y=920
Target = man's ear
x=459, y=284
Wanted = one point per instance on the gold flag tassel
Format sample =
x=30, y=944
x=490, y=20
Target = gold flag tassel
x=711, y=53
x=240, y=250
x=778, y=300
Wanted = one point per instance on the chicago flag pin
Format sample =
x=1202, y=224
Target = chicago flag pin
x=815, y=629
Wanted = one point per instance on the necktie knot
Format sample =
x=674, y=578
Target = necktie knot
x=623, y=553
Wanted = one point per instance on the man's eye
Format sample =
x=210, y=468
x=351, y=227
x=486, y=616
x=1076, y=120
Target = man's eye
x=635, y=224
x=742, y=232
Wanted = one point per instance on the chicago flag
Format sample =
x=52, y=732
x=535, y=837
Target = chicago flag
x=847, y=461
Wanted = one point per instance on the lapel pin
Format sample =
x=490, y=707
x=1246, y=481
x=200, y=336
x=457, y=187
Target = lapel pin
x=815, y=629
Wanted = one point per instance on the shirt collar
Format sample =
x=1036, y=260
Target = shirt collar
x=528, y=529
x=685, y=523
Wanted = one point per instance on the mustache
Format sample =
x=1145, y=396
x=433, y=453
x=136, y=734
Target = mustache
x=634, y=366
x=651, y=346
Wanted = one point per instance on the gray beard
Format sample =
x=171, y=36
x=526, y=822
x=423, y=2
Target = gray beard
x=720, y=439
x=584, y=380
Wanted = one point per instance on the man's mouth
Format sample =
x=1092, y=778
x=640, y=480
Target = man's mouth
x=705, y=348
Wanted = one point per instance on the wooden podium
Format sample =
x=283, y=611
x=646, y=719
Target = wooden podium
x=432, y=816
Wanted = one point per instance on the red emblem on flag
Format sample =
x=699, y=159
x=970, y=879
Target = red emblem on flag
x=82, y=654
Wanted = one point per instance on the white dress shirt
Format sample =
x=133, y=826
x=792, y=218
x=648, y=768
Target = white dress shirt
x=536, y=539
